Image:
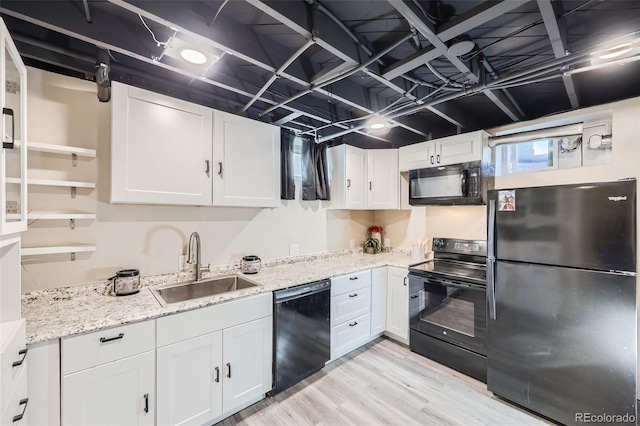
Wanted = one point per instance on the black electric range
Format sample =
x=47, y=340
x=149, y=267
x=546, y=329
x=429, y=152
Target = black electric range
x=448, y=308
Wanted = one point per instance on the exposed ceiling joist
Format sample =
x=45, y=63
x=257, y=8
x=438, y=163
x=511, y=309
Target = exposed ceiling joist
x=412, y=15
x=557, y=36
x=479, y=15
x=293, y=15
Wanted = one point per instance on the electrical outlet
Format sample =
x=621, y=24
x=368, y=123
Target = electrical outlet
x=387, y=242
x=352, y=243
x=294, y=249
x=182, y=262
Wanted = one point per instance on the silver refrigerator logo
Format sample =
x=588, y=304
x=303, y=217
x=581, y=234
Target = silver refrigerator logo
x=618, y=198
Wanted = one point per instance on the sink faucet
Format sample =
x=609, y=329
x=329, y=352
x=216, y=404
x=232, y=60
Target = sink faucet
x=193, y=255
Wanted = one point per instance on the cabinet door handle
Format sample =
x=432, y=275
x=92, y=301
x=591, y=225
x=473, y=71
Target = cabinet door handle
x=9, y=145
x=348, y=183
x=217, y=380
x=19, y=362
x=207, y=167
x=146, y=402
x=353, y=295
x=21, y=415
x=405, y=281
x=353, y=324
x=369, y=186
x=353, y=278
x=438, y=158
x=110, y=339
x=415, y=296
x=229, y=370
x=220, y=168
x=432, y=159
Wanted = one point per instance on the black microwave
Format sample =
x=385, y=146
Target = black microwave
x=456, y=184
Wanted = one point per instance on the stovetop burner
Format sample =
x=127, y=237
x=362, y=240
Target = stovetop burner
x=454, y=269
x=456, y=259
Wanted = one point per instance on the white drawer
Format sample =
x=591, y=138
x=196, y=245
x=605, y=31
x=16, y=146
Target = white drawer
x=350, y=282
x=350, y=335
x=17, y=404
x=12, y=359
x=99, y=347
x=347, y=306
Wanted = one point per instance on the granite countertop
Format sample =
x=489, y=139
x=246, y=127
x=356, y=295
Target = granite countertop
x=63, y=312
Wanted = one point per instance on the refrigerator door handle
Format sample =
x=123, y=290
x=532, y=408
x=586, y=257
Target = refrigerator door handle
x=491, y=259
x=491, y=288
x=491, y=225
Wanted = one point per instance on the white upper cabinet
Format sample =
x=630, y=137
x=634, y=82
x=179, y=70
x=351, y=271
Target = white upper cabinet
x=246, y=165
x=363, y=179
x=441, y=152
x=383, y=179
x=416, y=156
x=168, y=151
x=13, y=161
x=160, y=149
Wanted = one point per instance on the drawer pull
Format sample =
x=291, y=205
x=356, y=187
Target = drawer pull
x=23, y=352
x=353, y=295
x=21, y=415
x=110, y=339
x=217, y=375
x=229, y=370
x=353, y=324
x=353, y=278
x=415, y=296
x=146, y=402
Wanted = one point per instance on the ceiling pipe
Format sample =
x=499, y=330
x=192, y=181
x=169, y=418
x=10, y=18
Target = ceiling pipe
x=446, y=80
x=478, y=88
x=550, y=132
x=339, y=77
x=87, y=13
x=329, y=14
x=278, y=72
x=494, y=75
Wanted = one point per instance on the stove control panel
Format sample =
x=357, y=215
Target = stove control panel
x=456, y=246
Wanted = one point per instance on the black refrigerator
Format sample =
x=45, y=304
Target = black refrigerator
x=561, y=290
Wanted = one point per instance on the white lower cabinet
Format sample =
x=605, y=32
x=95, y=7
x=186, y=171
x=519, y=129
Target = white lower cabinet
x=350, y=312
x=203, y=378
x=190, y=381
x=378, y=300
x=44, y=383
x=397, y=304
x=108, y=376
x=117, y=393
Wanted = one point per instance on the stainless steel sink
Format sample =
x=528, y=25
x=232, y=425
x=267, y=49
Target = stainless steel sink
x=172, y=293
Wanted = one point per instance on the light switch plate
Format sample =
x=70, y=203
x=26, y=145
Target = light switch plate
x=294, y=249
x=387, y=242
x=352, y=243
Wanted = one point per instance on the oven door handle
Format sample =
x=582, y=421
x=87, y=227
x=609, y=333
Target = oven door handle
x=461, y=286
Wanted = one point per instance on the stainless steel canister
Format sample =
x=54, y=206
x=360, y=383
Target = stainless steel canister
x=126, y=281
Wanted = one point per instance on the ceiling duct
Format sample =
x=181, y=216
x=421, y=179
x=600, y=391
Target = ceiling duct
x=568, y=131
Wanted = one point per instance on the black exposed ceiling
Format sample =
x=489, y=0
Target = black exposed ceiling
x=383, y=57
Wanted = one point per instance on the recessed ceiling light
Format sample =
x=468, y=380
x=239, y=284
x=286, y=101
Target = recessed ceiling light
x=193, y=56
x=376, y=126
x=616, y=51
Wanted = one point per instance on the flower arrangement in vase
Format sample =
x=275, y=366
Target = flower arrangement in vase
x=373, y=244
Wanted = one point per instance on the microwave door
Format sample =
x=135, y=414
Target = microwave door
x=439, y=186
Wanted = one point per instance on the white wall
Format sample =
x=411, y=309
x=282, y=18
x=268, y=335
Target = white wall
x=65, y=111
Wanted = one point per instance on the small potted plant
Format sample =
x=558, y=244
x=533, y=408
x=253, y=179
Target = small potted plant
x=374, y=232
x=371, y=246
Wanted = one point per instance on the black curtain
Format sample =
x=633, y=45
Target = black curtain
x=315, y=181
x=287, y=185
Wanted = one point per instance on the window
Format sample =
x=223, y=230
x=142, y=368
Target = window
x=297, y=158
x=526, y=157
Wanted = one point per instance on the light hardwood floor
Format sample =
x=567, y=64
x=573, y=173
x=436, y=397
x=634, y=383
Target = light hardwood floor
x=384, y=383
